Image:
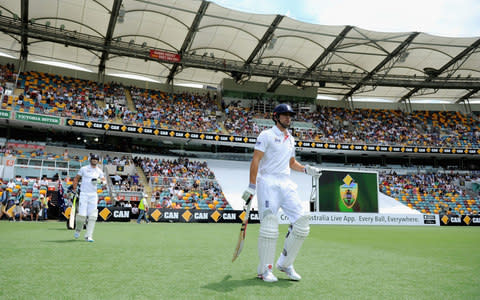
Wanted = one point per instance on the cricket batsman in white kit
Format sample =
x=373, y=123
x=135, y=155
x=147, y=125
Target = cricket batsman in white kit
x=273, y=157
x=90, y=175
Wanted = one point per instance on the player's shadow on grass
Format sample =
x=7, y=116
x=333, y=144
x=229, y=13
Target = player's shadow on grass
x=66, y=241
x=227, y=285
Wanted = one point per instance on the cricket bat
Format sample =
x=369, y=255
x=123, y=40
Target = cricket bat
x=243, y=229
x=71, y=219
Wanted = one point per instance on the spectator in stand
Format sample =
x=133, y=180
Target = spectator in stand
x=17, y=211
x=135, y=210
x=167, y=203
x=11, y=185
x=43, y=181
x=3, y=202
x=65, y=155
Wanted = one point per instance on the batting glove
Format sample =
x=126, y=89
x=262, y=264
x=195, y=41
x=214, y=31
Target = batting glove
x=312, y=171
x=249, y=192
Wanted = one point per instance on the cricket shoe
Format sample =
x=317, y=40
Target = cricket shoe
x=290, y=271
x=89, y=240
x=76, y=235
x=268, y=276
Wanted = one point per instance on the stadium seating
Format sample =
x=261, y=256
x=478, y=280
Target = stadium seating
x=65, y=96
x=189, y=184
x=432, y=193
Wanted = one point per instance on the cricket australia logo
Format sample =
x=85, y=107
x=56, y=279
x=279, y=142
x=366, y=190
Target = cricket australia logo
x=349, y=191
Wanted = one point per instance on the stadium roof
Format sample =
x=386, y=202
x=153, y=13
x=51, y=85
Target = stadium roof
x=213, y=42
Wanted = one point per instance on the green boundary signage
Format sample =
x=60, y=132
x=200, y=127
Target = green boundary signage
x=5, y=114
x=21, y=116
x=252, y=140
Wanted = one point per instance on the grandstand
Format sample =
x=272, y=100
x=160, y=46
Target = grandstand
x=172, y=95
x=53, y=95
x=47, y=111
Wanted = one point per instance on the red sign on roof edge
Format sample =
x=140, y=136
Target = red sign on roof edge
x=164, y=55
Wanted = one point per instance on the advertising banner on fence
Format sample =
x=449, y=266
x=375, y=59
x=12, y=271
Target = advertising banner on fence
x=5, y=114
x=200, y=216
x=331, y=218
x=252, y=140
x=464, y=220
x=124, y=214
x=115, y=214
x=21, y=116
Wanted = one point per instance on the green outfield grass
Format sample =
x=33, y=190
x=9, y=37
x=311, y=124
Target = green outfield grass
x=193, y=261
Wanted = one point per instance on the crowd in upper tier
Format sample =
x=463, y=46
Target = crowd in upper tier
x=64, y=96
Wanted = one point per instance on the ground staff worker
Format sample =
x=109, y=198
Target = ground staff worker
x=90, y=174
x=273, y=157
x=143, y=207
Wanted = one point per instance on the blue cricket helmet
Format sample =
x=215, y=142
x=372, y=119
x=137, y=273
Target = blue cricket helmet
x=282, y=108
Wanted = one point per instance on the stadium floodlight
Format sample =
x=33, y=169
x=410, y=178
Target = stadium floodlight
x=431, y=71
x=272, y=43
x=121, y=14
x=121, y=11
x=403, y=56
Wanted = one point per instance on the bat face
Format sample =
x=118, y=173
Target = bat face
x=71, y=220
x=243, y=232
x=239, y=247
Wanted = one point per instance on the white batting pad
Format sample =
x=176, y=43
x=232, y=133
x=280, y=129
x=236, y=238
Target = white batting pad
x=79, y=222
x=267, y=241
x=293, y=241
x=91, y=226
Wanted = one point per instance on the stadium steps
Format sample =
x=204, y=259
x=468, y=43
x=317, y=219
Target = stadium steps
x=144, y=181
x=100, y=103
x=130, y=103
x=224, y=130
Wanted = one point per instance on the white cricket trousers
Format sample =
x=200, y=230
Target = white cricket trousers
x=88, y=204
x=274, y=191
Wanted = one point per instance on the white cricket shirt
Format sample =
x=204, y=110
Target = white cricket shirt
x=278, y=149
x=90, y=177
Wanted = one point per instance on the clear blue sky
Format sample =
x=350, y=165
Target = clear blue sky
x=454, y=18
